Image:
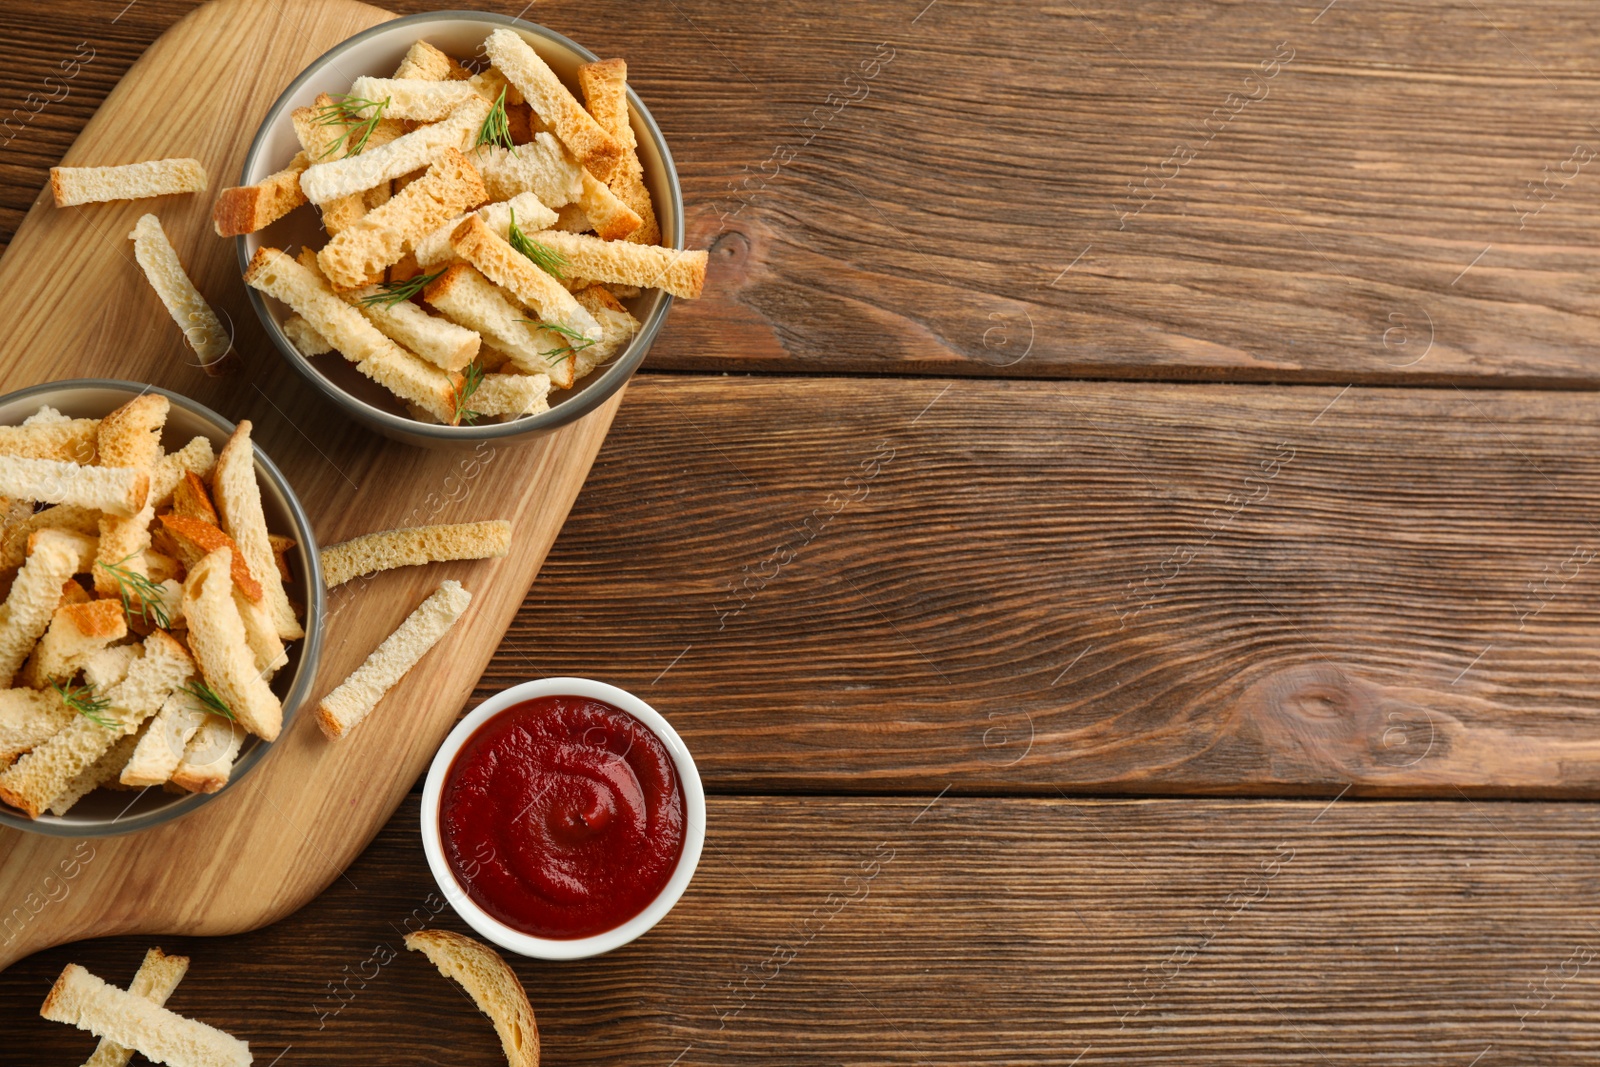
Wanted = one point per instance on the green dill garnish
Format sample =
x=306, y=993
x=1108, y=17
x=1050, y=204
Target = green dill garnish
x=543, y=256
x=208, y=699
x=131, y=586
x=496, y=129
x=576, y=342
x=357, y=115
x=84, y=701
x=391, y=293
x=471, y=378
x=564, y=331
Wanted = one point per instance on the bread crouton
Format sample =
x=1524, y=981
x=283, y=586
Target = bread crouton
x=343, y=709
x=511, y=395
x=424, y=62
x=439, y=341
x=196, y=457
x=107, y=667
x=542, y=167
x=76, y=630
x=80, y=999
x=53, y=557
x=469, y=298
x=69, y=518
x=605, y=94
x=208, y=759
x=412, y=151
x=238, y=498
x=356, y=339
x=206, y=537
x=117, y=490
x=217, y=639
x=266, y=647
x=604, y=84
x=411, y=99
x=131, y=435
x=101, y=772
x=617, y=328
x=191, y=500
x=133, y=181
x=118, y=561
x=160, y=748
x=514, y=272
x=35, y=780
x=680, y=272
x=323, y=136
x=596, y=149
x=380, y=238
x=412, y=547
x=202, y=330
x=155, y=980
x=68, y=440
x=248, y=208
x=526, y=208
x=491, y=983
x=446, y=345
x=28, y=718
x=305, y=338
x=281, y=547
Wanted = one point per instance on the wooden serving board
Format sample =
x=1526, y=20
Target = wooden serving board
x=74, y=304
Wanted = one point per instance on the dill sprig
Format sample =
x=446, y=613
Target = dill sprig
x=545, y=257
x=471, y=378
x=131, y=586
x=359, y=117
x=576, y=342
x=208, y=699
x=391, y=293
x=564, y=331
x=496, y=128
x=85, y=702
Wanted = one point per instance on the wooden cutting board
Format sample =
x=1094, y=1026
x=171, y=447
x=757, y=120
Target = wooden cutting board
x=74, y=304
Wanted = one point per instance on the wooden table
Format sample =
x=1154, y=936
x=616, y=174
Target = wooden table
x=1118, y=536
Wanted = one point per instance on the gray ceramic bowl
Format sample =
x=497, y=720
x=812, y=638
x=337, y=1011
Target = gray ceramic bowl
x=377, y=52
x=105, y=811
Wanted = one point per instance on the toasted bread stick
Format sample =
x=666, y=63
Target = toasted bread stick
x=133, y=181
x=413, y=547
x=248, y=208
x=80, y=999
x=343, y=709
x=594, y=147
x=680, y=272
x=536, y=289
x=412, y=151
x=348, y=331
x=157, y=977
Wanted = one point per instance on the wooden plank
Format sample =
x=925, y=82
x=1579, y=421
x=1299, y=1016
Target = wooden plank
x=828, y=930
x=76, y=305
x=1123, y=587
x=1366, y=217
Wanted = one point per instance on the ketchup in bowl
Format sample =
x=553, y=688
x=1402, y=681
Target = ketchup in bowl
x=562, y=817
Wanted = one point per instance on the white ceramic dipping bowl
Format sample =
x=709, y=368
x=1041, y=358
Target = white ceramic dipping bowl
x=694, y=810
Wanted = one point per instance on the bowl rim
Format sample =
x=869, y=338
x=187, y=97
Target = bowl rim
x=569, y=409
x=582, y=947
x=310, y=650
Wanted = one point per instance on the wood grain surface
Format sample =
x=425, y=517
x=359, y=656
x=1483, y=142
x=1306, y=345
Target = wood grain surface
x=1036, y=589
x=311, y=806
x=1020, y=586
x=851, y=931
x=902, y=187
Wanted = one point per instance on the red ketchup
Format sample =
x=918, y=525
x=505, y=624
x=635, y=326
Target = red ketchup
x=562, y=817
